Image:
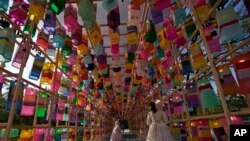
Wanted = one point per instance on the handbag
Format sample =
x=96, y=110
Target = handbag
x=70, y=18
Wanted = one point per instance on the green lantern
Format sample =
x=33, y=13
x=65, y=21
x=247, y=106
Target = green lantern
x=27, y=28
x=57, y=6
x=67, y=48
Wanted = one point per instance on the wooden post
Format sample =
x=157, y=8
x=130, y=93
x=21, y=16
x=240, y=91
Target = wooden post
x=19, y=78
x=213, y=68
x=182, y=89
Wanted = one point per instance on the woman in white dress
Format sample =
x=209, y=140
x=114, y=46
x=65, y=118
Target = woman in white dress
x=116, y=133
x=157, y=120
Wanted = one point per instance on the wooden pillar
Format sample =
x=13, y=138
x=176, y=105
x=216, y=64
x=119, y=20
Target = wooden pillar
x=182, y=89
x=19, y=81
x=213, y=68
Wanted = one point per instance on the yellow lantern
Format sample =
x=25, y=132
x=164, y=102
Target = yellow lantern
x=164, y=43
x=215, y=123
x=95, y=36
x=36, y=12
x=114, y=38
x=132, y=38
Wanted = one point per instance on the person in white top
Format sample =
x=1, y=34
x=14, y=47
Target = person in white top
x=157, y=120
x=116, y=133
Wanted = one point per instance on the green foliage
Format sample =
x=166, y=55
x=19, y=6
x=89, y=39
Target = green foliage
x=17, y=120
x=236, y=103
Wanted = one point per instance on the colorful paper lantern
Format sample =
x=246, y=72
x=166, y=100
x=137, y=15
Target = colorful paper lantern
x=109, y=5
x=57, y=6
x=228, y=21
x=18, y=12
x=87, y=11
x=113, y=18
x=49, y=23
x=36, y=12
x=67, y=48
x=37, y=68
x=58, y=38
x=7, y=42
x=4, y=4
x=70, y=18
x=42, y=41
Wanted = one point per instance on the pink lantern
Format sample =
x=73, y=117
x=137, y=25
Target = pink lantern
x=18, y=58
x=76, y=36
x=114, y=48
x=56, y=84
x=18, y=12
x=70, y=18
x=39, y=133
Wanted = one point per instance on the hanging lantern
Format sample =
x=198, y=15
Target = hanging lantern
x=58, y=38
x=26, y=29
x=98, y=49
x=29, y=102
x=186, y=64
x=114, y=18
x=76, y=36
x=228, y=22
x=134, y=15
x=132, y=35
x=67, y=48
x=95, y=36
x=55, y=85
x=82, y=49
x=57, y=6
x=198, y=60
x=49, y=23
x=18, y=12
x=70, y=18
x=162, y=4
x=39, y=133
x=36, y=12
x=4, y=4
x=179, y=16
x=42, y=106
x=17, y=61
x=156, y=15
x=42, y=41
x=51, y=52
x=37, y=68
x=109, y=5
x=26, y=134
x=87, y=10
x=7, y=42
x=190, y=27
x=47, y=73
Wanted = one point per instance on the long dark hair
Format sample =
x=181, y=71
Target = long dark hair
x=153, y=107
